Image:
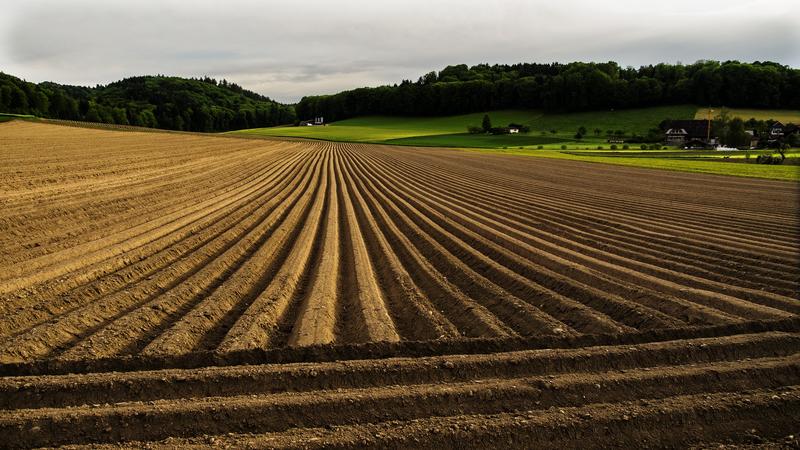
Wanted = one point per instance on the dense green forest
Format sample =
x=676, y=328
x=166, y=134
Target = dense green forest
x=149, y=101
x=210, y=105
x=567, y=87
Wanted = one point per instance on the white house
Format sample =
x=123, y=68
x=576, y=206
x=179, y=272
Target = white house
x=318, y=121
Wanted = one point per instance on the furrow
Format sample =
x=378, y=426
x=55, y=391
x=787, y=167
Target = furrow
x=279, y=412
x=415, y=317
x=371, y=303
x=258, y=326
x=497, y=241
x=140, y=272
x=570, y=312
x=316, y=322
x=115, y=387
x=208, y=319
x=130, y=332
x=613, y=305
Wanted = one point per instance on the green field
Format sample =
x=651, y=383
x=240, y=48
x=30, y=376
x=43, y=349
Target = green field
x=711, y=162
x=781, y=115
x=382, y=129
x=478, y=141
x=451, y=131
x=5, y=117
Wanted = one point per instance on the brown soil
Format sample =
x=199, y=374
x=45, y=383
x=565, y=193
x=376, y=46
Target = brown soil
x=171, y=289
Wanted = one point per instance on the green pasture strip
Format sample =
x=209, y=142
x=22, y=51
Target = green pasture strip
x=781, y=115
x=546, y=128
x=717, y=166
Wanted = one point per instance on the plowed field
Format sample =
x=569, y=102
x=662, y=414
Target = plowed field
x=191, y=290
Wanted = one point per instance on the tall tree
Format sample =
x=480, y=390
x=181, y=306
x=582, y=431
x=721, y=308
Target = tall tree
x=486, y=124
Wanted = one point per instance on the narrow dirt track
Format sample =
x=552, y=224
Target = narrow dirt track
x=164, y=255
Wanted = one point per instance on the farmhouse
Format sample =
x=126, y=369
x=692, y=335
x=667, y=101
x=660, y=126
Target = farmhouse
x=682, y=132
x=779, y=132
x=775, y=131
x=514, y=128
x=318, y=121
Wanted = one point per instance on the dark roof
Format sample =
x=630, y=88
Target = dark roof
x=694, y=128
x=776, y=125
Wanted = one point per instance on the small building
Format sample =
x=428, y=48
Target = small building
x=775, y=131
x=514, y=128
x=688, y=132
x=753, y=138
x=317, y=121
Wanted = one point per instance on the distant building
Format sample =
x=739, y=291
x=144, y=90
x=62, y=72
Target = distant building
x=688, y=132
x=514, y=128
x=778, y=132
x=318, y=121
x=775, y=131
x=753, y=138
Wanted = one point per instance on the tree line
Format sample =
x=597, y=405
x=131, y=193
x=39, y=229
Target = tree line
x=173, y=103
x=569, y=87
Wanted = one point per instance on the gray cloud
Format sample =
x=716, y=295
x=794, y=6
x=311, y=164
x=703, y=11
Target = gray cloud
x=286, y=49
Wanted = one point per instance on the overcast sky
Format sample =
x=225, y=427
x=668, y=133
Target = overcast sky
x=285, y=49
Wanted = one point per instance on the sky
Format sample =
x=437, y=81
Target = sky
x=287, y=49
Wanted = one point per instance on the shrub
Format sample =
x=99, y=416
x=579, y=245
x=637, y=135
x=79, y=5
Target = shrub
x=474, y=130
x=643, y=146
x=563, y=147
x=625, y=147
x=613, y=146
x=540, y=147
x=599, y=147
x=768, y=159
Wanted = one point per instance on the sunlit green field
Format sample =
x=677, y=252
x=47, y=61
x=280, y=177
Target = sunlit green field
x=5, y=117
x=450, y=131
x=551, y=132
x=711, y=162
x=381, y=129
x=781, y=115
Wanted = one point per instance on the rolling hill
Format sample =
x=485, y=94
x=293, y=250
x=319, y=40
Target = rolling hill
x=172, y=103
x=450, y=131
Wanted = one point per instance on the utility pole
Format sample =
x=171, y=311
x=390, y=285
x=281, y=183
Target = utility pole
x=708, y=124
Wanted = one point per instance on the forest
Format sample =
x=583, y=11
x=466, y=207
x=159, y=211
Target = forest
x=205, y=104
x=578, y=86
x=171, y=103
